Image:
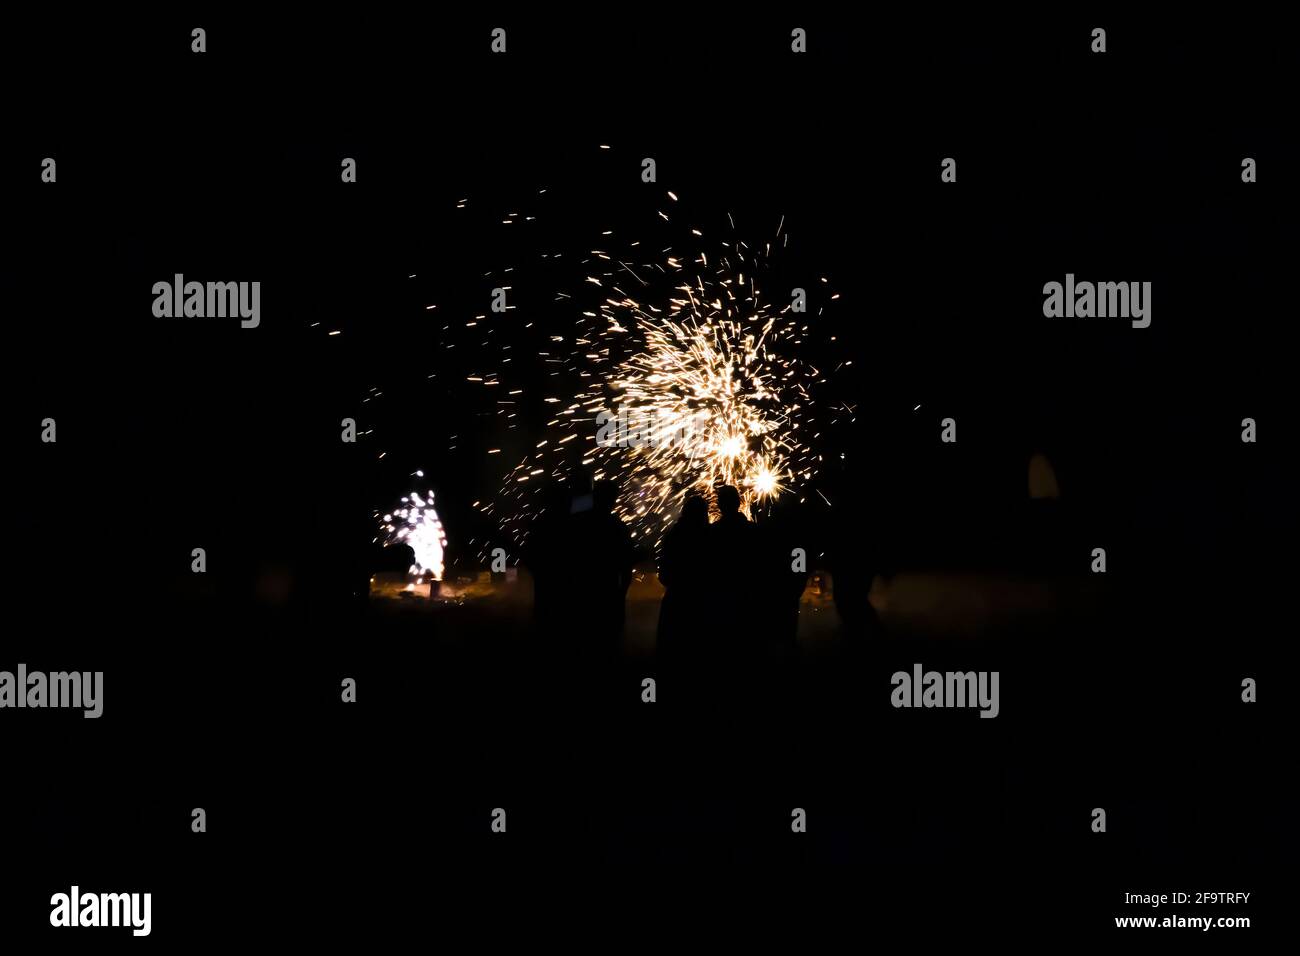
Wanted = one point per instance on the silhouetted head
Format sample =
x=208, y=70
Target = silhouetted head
x=604, y=495
x=695, y=511
x=728, y=499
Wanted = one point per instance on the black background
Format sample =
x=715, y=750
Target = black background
x=371, y=821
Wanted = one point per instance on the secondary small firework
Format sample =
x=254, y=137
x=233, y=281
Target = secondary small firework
x=417, y=525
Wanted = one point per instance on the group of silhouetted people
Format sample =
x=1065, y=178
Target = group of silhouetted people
x=732, y=585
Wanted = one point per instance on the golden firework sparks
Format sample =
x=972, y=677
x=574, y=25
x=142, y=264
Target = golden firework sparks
x=697, y=379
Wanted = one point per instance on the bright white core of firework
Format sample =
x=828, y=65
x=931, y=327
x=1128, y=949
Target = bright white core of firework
x=416, y=524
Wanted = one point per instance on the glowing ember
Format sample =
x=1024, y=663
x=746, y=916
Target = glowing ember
x=416, y=524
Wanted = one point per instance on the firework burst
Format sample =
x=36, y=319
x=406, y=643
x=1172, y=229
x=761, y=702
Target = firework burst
x=712, y=395
x=687, y=378
x=416, y=524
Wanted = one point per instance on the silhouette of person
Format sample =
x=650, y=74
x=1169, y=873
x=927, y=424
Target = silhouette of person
x=731, y=542
x=683, y=573
x=545, y=556
x=782, y=576
x=855, y=562
x=602, y=558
